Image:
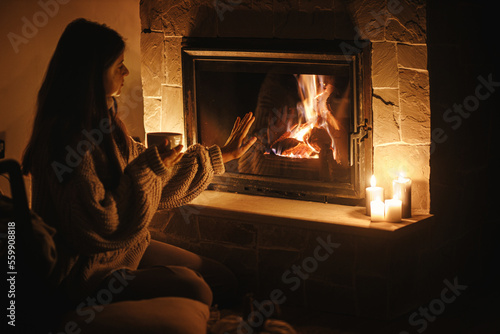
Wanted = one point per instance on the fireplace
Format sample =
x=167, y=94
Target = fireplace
x=380, y=269
x=312, y=110
x=387, y=45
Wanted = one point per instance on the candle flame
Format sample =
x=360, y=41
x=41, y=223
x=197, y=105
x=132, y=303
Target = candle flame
x=373, y=181
x=402, y=177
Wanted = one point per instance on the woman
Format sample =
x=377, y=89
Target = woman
x=99, y=188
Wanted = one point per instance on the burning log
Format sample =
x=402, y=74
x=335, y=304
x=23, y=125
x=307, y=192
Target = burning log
x=319, y=139
x=314, y=141
x=302, y=150
x=292, y=147
x=285, y=144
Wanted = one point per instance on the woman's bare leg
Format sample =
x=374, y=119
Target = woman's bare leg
x=220, y=279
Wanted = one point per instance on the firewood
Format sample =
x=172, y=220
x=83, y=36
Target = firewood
x=319, y=138
x=285, y=144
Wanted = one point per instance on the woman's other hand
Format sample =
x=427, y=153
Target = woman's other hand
x=169, y=156
x=235, y=146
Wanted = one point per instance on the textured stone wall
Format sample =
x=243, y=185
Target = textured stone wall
x=401, y=111
x=395, y=28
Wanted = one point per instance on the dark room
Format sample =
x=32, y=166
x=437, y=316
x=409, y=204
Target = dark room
x=249, y=166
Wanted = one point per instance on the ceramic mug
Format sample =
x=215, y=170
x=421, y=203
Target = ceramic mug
x=157, y=138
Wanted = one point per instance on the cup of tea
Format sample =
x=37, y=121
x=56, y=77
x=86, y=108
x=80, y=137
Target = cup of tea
x=158, y=138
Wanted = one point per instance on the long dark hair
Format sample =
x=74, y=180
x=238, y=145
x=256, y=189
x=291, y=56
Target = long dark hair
x=72, y=98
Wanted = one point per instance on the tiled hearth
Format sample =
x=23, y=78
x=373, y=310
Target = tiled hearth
x=379, y=269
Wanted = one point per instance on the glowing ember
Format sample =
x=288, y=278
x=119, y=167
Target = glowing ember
x=312, y=133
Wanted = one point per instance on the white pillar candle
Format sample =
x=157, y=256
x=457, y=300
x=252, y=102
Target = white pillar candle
x=373, y=193
x=377, y=211
x=393, y=210
x=401, y=188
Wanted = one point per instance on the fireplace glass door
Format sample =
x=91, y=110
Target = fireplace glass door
x=310, y=121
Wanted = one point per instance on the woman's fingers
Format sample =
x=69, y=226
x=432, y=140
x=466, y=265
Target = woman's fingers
x=233, y=131
x=245, y=123
x=248, y=123
x=177, y=158
x=245, y=127
x=234, y=147
x=163, y=147
x=235, y=126
x=171, y=157
x=240, y=129
x=248, y=144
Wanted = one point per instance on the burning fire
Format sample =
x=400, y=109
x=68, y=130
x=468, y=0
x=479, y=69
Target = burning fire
x=312, y=133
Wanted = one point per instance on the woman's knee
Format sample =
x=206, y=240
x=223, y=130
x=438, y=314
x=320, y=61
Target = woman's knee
x=192, y=285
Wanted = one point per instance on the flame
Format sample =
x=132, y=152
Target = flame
x=314, y=113
x=402, y=178
x=373, y=181
x=302, y=131
x=309, y=95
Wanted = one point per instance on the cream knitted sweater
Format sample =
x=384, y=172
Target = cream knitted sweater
x=99, y=230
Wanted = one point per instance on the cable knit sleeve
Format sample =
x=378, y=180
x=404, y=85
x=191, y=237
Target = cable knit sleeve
x=191, y=175
x=97, y=219
x=136, y=148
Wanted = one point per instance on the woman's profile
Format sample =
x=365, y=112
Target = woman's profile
x=99, y=188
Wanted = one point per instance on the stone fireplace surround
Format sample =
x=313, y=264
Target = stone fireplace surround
x=378, y=270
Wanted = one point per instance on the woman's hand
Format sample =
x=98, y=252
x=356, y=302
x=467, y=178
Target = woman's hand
x=234, y=147
x=169, y=156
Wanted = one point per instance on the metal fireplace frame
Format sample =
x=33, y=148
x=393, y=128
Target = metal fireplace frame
x=195, y=51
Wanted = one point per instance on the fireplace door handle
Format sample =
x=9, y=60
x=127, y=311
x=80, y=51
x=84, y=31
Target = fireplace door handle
x=357, y=137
